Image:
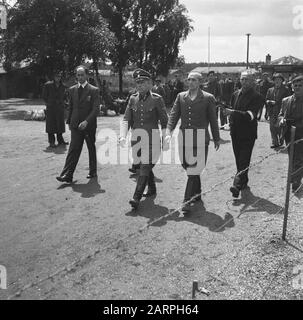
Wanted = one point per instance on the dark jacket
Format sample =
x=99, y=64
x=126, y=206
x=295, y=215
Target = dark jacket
x=85, y=109
x=241, y=124
x=197, y=114
x=213, y=88
x=54, y=98
x=292, y=111
x=227, y=89
x=277, y=96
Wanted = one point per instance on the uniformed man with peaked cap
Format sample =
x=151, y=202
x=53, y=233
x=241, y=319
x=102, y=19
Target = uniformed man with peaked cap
x=143, y=113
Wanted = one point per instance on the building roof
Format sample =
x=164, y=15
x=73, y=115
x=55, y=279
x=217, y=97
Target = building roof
x=289, y=60
x=228, y=69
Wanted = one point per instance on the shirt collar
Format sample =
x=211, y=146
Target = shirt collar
x=83, y=85
x=199, y=95
x=144, y=96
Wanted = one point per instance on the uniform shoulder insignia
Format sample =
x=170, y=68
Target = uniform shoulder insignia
x=155, y=94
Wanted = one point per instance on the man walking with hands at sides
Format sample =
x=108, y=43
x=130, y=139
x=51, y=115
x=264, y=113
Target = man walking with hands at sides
x=245, y=105
x=292, y=115
x=82, y=120
x=144, y=111
x=196, y=109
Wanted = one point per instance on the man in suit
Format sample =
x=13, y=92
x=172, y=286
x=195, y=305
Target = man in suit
x=264, y=85
x=144, y=111
x=84, y=102
x=245, y=104
x=274, y=98
x=196, y=109
x=292, y=115
x=54, y=94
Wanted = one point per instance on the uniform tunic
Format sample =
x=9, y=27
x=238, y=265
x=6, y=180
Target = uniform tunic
x=143, y=114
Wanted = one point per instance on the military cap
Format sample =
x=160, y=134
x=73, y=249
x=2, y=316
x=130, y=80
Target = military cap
x=140, y=74
x=297, y=79
x=278, y=75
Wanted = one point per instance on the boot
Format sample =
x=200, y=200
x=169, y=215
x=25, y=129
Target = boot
x=141, y=184
x=197, y=189
x=189, y=192
x=151, y=191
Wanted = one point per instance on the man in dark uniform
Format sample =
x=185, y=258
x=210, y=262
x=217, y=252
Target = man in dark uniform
x=84, y=102
x=264, y=85
x=245, y=104
x=274, y=98
x=196, y=109
x=144, y=111
x=54, y=94
x=212, y=86
x=158, y=88
x=292, y=115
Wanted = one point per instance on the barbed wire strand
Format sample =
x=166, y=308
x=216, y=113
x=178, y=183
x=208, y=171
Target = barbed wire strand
x=69, y=267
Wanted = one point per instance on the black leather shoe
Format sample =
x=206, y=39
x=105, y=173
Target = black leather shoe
x=185, y=208
x=52, y=145
x=65, y=178
x=92, y=175
x=134, y=204
x=132, y=170
x=235, y=191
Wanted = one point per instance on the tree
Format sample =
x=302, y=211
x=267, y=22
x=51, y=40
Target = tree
x=158, y=28
x=148, y=33
x=56, y=34
x=118, y=13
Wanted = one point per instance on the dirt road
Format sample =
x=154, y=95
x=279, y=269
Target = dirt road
x=83, y=242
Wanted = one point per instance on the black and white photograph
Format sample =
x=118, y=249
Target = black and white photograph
x=152, y=151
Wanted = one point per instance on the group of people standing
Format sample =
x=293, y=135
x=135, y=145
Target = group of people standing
x=196, y=108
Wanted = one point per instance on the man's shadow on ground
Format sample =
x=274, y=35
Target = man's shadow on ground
x=198, y=215
x=87, y=190
x=253, y=203
x=60, y=149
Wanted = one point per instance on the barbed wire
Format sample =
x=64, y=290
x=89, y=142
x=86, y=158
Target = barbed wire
x=82, y=260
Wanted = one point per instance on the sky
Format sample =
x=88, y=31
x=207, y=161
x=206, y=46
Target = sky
x=276, y=28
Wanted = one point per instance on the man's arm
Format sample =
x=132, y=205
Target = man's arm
x=174, y=116
x=70, y=106
x=96, y=104
x=160, y=105
x=213, y=120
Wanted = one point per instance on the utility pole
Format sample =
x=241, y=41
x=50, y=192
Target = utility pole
x=208, y=48
x=247, y=59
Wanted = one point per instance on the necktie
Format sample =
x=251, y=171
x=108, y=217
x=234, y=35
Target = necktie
x=80, y=91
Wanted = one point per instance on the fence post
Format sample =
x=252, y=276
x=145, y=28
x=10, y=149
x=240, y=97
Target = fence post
x=290, y=166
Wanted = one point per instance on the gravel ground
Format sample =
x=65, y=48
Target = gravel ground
x=83, y=242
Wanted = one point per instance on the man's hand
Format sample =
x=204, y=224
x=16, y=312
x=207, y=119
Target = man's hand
x=282, y=122
x=166, y=142
x=83, y=125
x=217, y=145
x=122, y=142
x=227, y=111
